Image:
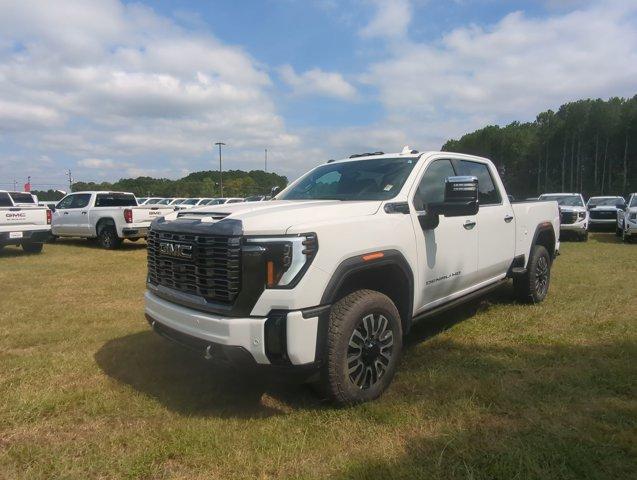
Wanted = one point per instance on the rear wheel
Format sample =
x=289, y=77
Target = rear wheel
x=533, y=286
x=584, y=237
x=52, y=238
x=626, y=238
x=364, y=343
x=108, y=239
x=31, y=247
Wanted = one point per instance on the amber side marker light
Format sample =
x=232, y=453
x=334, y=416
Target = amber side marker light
x=373, y=256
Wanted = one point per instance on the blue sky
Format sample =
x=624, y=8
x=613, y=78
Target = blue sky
x=113, y=89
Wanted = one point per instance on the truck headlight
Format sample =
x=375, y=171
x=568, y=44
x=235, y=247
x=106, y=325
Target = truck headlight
x=287, y=257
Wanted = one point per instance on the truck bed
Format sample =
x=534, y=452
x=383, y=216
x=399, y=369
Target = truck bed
x=529, y=215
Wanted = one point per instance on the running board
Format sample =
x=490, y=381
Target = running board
x=459, y=301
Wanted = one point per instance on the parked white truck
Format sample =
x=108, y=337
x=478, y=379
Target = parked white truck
x=627, y=219
x=329, y=276
x=603, y=210
x=110, y=217
x=23, y=222
x=573, y=213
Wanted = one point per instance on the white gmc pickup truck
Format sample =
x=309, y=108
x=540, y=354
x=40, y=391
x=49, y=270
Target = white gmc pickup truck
x=23, y=222
x=329, y=276
x=110, y=217
x=627, y=219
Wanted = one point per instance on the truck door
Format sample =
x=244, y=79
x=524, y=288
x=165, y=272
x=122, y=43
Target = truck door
x=77, y=215
x=495, y=223
x=61, y=219
x=447, y=254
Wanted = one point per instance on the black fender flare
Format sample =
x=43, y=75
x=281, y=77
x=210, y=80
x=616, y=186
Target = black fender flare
x=357, y=264
x=544, y=227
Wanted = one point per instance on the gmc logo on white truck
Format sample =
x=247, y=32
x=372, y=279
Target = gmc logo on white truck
x=15, y=216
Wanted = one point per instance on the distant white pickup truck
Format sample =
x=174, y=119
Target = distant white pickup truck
x=110, y=217
x=23, y=222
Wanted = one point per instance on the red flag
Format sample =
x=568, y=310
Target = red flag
x=27, y=187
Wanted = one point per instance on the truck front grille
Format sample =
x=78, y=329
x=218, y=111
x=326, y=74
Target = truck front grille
x=567, y=218
x=203, y=265
x=603, y=215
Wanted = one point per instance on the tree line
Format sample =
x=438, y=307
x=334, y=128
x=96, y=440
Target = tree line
x=236, y=183
x=587, y=146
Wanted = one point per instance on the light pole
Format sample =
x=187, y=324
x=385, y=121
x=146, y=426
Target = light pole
x=220, y=170
x=68, y=173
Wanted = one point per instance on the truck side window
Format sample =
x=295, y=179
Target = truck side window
x=5, y=200
x=81, y=200
x=432, y=184
x=488, y=193
x=65, y=202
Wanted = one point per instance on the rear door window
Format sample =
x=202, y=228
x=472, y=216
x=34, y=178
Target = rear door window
x=488, y=193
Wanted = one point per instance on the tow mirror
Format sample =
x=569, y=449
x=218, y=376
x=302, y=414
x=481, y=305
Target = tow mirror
x=276, y=189
x=461, y=199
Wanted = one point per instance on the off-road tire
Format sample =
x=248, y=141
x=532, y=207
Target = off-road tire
x=108, y=239
x=533, y=286
x=346, y=316
x=32, y=247
x=52, y=239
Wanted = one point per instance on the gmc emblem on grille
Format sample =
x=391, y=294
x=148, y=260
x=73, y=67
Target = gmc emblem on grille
x=178, y=250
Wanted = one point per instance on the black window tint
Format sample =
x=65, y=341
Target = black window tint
x=5, y=200
x=115, y=200
x=19, y=197
x=487, y=193
x=432, y=185
x=65, y=202
x=80, y=200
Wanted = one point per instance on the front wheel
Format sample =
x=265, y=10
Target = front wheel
x=364, y=343
x=533, y=286
x=108, y=239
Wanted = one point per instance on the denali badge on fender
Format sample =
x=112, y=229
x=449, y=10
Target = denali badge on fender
x=178, y=250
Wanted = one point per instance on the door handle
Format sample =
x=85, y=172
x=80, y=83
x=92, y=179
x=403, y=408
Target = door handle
x=469, y=224
x=66, y=213
x=83, y=213
x=508, y=218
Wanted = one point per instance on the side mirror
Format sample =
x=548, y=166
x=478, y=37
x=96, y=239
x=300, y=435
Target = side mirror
x=461, y=199
x=621, y=206
x=274, y=191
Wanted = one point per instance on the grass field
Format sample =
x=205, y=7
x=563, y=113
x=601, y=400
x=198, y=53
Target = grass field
x=490, y=390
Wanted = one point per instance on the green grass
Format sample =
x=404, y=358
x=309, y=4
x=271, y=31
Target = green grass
x=493, y=389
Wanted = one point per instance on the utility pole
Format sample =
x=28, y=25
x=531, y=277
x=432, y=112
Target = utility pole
x=266, y=160
x=68, y=174
x=220, y=169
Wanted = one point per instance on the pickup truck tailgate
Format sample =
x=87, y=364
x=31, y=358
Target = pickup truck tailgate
x=143, y=214
x=24, y=217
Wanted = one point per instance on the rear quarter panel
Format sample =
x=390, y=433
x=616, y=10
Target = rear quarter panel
x=528, y=217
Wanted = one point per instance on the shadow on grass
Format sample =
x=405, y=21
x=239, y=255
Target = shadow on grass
x=529, y=411
x=92, y=244
x=603, y=237
x=186, y=383
x=12, y=251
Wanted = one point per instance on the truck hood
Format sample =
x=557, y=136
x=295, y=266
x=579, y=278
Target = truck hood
x=572, y=209
x=278, y=216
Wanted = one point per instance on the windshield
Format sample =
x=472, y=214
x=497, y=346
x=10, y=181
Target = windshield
x=604, y=202
x=178, y=201
x=216, y=201
x=565, y=200
x=377, y=179
x=191, y=201
x=633, y=201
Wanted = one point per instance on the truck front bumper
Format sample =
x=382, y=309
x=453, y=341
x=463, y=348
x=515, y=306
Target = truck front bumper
x=31, y=236
x=283, y=338
x=579, y=227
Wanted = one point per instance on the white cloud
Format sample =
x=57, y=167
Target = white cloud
x=510, y=70
x=391, y=20
x=100, y=80
x=317, y=82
